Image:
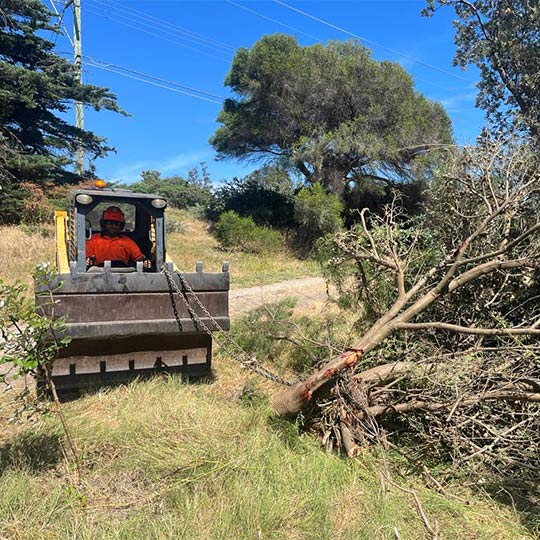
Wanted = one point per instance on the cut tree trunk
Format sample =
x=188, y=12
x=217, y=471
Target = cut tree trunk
x=291, y=401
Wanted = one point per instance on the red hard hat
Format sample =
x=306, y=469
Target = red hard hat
x=113, y=213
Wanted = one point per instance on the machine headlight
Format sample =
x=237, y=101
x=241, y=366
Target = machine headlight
x=83, y=198
x=159, y=203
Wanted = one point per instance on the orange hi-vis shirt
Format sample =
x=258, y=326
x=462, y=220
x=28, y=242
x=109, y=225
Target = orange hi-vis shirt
x=115, y=248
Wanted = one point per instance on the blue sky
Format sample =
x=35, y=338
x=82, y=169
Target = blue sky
x=191, y=44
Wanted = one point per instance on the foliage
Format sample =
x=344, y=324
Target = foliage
x=36, y=142
x=445, y=304
x=40, y=201
x=376, y=195
x=30, y=339
x=175, y=225
x=330, y=112
x=501, y=39
x=317, y=213
x=246, y=269
x=292, y=341
x=11, y=203
x=360, y=285
x=193, y=191
x=266, y=195
x=236, y=232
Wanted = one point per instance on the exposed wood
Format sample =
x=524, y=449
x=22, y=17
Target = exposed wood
x=351, y=448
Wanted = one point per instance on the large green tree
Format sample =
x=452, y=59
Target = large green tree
x=37, y=88
x=501, y=38
x=331, y=112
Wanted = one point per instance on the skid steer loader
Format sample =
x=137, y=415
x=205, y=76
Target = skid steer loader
x=127, y=322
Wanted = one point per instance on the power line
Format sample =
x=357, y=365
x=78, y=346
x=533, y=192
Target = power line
x=120, y=15
x=157, y=84
x=93, y=10
x=352, y=34
x=174, y=27
x=116, y=66
x=61, y=22
x=168, y=85
x=263, y=16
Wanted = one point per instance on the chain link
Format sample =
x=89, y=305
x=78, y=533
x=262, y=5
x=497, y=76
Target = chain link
x=241, y=356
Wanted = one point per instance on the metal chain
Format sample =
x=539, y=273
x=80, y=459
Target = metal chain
x=244, y=358
x=175, y=310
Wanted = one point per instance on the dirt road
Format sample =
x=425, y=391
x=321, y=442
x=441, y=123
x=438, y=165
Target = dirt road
x=309, y=291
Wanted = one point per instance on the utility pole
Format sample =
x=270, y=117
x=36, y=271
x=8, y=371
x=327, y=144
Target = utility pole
x=77, y=48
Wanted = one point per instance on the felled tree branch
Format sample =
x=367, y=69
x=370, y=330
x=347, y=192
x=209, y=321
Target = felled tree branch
x=525, y=331
x=468, y=253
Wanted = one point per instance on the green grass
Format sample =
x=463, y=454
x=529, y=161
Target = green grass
x=195, y=463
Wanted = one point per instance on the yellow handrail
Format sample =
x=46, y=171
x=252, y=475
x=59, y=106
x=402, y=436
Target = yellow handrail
x=62, y=263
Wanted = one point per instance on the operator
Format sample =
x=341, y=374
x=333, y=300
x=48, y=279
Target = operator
x=112, y=245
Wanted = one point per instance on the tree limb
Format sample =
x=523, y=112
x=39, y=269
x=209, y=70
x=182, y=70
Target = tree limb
x=469, y=329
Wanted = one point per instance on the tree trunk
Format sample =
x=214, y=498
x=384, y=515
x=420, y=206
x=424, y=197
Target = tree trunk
x=291, y=401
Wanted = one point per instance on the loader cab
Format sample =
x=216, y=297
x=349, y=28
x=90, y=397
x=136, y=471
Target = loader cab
x=145, y=223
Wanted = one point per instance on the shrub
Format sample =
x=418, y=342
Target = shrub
x=175, y=225
x=36, y=208
x=265, y=195
x=34, y=204
x=236, y=232
x=375, y=196
x=277, y=336
x=317, y=213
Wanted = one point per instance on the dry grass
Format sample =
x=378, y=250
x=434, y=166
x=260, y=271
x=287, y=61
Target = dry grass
x=196, y=244
x=21, y=250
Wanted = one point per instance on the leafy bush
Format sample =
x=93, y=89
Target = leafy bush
x=34, y=204
x=29, y=338
x=265, y=195
x=317, y=213
x=236, y=232
x=175, y=225
x=275, y=335
x=376, y=195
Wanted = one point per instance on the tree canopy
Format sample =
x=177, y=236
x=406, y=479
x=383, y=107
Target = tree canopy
x=331, y=112
x=188, y=192
x=502, y=39
x=37, y=87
